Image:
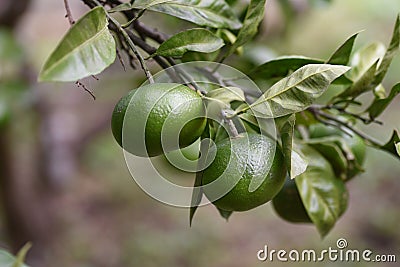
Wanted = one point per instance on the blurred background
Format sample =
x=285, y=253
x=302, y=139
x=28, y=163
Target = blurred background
x=63, y=180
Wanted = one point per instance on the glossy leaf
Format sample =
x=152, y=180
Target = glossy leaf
x=364, y=84
x=342, y=55
x=380, y=104
x=296, y=92
x=8, y=260
x=254, y=15
x=364, y=58
x=87, y=49
x=397, y=145
x=227, y=94
x=294, y=162
x=298, y=164
x=120, y=8
x=198, y=40
x=285, y=126
x=197, y=193
x=305, y=118
x=324, y=196
x=198, y=56
x=390, y=53
x=215, y=14
x=342, y=80
x=227, y=36
x=333, y=153
x=281, y=67
x=392, y=145
x=379, y=92
x=251, y=122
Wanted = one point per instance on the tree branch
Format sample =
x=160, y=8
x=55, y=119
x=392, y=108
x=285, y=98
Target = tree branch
x=318, y=113
x=69, y=14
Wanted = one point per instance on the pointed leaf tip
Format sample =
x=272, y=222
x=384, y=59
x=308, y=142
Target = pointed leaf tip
x=87, y=49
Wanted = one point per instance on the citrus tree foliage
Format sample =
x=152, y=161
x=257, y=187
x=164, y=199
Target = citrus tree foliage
x=9, y=260
x=290, y=85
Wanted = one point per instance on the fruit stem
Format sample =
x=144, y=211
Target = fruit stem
x=231, y=126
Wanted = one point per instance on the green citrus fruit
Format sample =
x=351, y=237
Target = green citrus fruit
x=355, y=143
x=158, y=118
x=288, y=204
x=185, y=159
x=238, y=164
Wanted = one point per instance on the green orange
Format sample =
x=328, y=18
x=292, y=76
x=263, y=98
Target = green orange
x=158, y=118
x=288, y=204
x=239, y=164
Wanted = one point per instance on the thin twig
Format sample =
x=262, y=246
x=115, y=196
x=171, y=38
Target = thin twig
x=79, y=84
x=343, y=111
x=330, y=123
x=69, y=14
x=319, y=113
x=185, y=75
x=126, y=49
x=120, y=59
x=152, y=33
x=131, y=45
x=133, y=48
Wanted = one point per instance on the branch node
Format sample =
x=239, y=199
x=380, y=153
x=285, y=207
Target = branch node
x=69, y=14
x=81, y=85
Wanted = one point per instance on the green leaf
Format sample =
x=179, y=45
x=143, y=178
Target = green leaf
x=364, y=58
x=343, y=80
x=390, y=53
x=198, y=40
x=225, y=213
x=364, y=84
x=140, y=4
x=379, y=92
x=281, y=67
x=215, y=14
x=324, y=196
x=226, y=35
x=87, y=49
x=250, y=123
x=8, y=260
x=227, y=94
x=392, y=145
x=294, y=162
x=380, y=104
x=197, y=193
x=197, y=56
x=298, y=164
x=120, y=8
x=331, y=150
x=19, y=261
x=298, y=91
x=342, y=55
x=254, y=15
x=397, y=145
